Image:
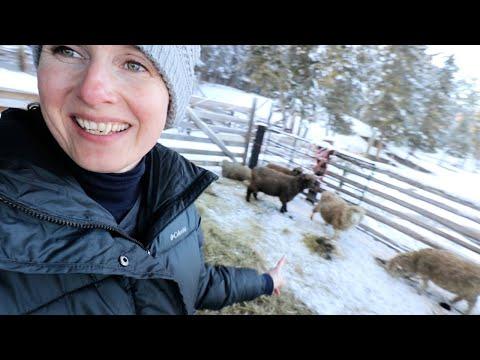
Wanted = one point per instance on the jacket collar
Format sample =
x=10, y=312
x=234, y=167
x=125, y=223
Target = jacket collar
x=33, y=172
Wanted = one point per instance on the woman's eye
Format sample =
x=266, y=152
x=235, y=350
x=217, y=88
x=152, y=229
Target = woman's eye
x=66, y=52
x=134, y=66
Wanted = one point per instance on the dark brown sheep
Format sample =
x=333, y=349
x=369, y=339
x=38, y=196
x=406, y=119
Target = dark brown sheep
x=274, y=183
x=294, y=172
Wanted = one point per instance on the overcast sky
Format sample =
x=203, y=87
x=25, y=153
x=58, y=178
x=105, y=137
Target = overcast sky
x=467, y=58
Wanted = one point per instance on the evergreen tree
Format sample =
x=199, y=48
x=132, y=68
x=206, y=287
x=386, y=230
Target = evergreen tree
x=268, y=73
x=476, y=140
x=222, y=63
x=394, y=88
x=461, y=139
x=439, y=108
x=386, y=112
x=336, y=74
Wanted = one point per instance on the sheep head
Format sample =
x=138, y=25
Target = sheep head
x=309, y=181
x=297, y=171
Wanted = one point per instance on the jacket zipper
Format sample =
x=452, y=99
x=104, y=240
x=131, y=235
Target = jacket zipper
x=55, y=220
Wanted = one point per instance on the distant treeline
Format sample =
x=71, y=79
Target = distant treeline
x=394, y=88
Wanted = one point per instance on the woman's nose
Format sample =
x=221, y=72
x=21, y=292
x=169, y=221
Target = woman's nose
x=97, y=86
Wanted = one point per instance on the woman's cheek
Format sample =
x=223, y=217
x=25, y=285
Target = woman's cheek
x=52, y=89
x=152, y=113
x=154, y=123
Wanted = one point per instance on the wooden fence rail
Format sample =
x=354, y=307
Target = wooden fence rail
x=384, y=220
x=352, y=165
x=430, y=189
x=408, y=192
x=470, y=233
x=197, y=139
x=413, y=220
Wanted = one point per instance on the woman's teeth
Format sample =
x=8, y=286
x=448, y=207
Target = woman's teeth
x=97, y=128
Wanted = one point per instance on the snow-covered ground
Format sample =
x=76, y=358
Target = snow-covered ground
x=351, y=283
x=236, y=97
x=351, y=143
x=455, y=182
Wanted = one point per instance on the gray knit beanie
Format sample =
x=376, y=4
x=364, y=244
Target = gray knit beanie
x=176, y=64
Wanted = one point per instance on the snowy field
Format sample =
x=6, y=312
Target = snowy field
x=350, y=283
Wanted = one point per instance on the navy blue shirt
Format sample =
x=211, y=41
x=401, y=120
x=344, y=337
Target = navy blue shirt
x=115, y=192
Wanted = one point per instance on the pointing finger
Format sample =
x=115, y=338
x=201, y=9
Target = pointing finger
x=281, y=262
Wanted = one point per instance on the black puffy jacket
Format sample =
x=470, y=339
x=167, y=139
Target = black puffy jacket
x=62, y=253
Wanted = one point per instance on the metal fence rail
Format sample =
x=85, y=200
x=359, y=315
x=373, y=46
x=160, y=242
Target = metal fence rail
x=279, y=147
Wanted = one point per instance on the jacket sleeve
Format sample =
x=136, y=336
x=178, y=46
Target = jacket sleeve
x=220, y=286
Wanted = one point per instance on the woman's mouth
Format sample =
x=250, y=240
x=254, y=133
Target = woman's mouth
x=101, y=128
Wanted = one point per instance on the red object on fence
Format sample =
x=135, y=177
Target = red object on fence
x=322, y=157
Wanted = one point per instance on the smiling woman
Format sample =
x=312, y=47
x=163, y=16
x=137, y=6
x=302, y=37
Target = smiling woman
x=105, y=106
x=92, y=206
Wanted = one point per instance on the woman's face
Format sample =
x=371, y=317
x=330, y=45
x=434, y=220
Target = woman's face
x=106, y=105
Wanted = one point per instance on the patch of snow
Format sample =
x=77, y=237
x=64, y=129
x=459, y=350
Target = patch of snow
x=351, y=283
x=237, y=97
x=359, y=127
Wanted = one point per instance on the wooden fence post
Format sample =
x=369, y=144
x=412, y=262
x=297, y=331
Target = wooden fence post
x=249, y=131
x=292, y=153
x=216, y=140
x=22, y=58
x=257, y=145
x=344, y=174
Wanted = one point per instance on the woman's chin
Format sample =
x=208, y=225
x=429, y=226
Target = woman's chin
x=103, y=166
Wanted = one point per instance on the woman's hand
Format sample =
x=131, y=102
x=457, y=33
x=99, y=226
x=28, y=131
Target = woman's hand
x=277, y=276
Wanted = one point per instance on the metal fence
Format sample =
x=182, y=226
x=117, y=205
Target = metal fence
x=390, y=199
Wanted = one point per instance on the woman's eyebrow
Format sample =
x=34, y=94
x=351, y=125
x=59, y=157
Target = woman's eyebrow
x=137, y=52
x=134, y=48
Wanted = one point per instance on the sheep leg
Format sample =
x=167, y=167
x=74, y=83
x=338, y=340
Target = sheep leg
x=336, y=233
x=456, y=299
x=283, y=209
x=471, y=305
x=255, y=195
x=249, y=192
x=424, y=285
